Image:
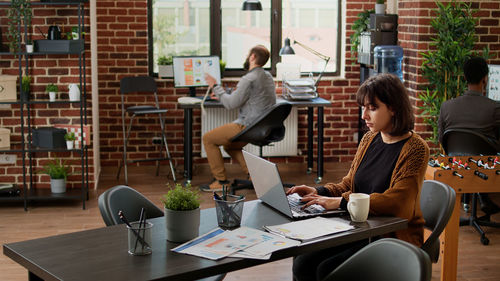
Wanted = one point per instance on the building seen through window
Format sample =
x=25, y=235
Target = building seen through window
x=183, y=27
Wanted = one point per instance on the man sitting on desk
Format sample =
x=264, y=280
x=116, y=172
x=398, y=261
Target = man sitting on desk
x=254, y=94
x=474, y=111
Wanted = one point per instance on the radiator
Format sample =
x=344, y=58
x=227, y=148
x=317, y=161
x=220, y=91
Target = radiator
x=216, y=117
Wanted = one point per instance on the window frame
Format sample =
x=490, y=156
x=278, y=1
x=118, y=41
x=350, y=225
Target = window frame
x=276, y=39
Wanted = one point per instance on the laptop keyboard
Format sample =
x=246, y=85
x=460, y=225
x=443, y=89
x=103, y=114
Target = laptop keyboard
x=296, y=206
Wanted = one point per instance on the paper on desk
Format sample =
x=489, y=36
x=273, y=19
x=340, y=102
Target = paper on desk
x=310, y=228
x=270, y=243
x=218, y=243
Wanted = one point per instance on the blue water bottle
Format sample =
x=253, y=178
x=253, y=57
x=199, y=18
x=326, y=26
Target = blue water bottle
x=388, y=59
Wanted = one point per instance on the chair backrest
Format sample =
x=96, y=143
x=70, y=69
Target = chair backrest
x=128, y=200
x=437, y=200
x=462, y=142
x=268, y=128
x=136, y=84
x=385, y=259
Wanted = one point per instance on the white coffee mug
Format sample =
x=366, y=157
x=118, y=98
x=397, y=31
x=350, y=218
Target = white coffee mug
x=358, y=206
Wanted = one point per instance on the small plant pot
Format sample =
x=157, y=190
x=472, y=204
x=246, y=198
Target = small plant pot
x=70, y=144
x=165, y=71
x=182, y=226
x=57, y=185
x=379, y=9
x=25, y=96
x=29, y=48
x=52, y=96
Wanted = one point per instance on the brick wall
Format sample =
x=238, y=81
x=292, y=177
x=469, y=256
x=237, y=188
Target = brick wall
x=123, y=51
x=58, y=69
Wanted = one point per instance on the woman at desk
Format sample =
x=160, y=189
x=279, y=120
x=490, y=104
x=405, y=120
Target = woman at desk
x=389, y=165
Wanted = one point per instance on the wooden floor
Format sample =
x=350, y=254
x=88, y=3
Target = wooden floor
x=475, y=261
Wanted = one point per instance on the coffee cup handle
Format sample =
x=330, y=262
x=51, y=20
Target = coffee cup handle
x=349, y=204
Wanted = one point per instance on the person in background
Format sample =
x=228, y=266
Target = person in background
x=253, y=95
x=389, y=165
x=474, y=111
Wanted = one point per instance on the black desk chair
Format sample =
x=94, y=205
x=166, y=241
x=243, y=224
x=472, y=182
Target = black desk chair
x=464, y=142
x=385, y=259
x=147, y=86
x=267, y=129
x=437, y=201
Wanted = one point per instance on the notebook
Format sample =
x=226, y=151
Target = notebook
x=269, y=189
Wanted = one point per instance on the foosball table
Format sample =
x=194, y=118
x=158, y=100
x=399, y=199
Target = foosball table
x=465, y=174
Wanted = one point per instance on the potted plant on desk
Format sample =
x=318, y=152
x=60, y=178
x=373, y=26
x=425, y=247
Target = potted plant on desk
x=58, y=172
x=182, y=213
x=25, y=88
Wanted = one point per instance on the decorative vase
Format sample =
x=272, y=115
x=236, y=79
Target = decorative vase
x=58, y=185
x=165, y=71
x=52, y=96
x=74, y=92
x=182, y=226
x=69, y=144
x=379, y=9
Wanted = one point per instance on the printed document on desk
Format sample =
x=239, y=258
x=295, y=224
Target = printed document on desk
x=310, y=228
x=218, y=243
x=271, y=242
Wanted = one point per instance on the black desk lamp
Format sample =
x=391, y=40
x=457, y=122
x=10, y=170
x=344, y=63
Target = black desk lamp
x=288, y=50
x=251, y=5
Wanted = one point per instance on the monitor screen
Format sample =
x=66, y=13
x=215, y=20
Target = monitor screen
x=493, y=88
x=189, y=71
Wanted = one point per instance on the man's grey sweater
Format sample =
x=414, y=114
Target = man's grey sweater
x=254, y=94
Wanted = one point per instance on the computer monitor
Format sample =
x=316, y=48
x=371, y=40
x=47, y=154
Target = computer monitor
x=189, y=71
x=493, y=88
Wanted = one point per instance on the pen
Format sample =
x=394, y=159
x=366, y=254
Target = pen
x=124, y=219
x=140, y=225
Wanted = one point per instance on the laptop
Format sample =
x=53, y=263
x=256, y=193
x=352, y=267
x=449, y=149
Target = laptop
x=267, y=183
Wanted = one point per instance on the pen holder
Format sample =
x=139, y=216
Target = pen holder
x=139, y=239
x=229, y=211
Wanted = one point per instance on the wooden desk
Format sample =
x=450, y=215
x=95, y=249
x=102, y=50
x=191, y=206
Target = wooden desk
x=470, y=183
x=101, y=254
x=310, y=104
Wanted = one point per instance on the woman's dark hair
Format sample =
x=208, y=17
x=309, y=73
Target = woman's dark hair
x=261, y=53
x=475, y=69
x=391, y=91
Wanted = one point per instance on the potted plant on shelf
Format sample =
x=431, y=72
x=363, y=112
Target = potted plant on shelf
x=58, y=172
x=25, y=88
x=182, y=213
x=29, y=46
x=165, y=68
x=52, y=90
x=70, y=140
x=359, y=26
x=380, y=7
x=222, y=65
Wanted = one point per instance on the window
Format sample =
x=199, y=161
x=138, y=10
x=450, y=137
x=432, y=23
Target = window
x=220, y=27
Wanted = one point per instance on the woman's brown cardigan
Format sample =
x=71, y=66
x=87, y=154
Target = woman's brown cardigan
x=402, y=198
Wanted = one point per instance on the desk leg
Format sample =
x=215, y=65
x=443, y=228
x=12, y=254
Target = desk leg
x=310, y=122
x=450, y=249
x=320, y=145
x=33, y=277
x=188, y=144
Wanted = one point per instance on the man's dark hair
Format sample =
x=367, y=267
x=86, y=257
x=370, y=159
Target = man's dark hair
x=261, y=53
x=475, y=69
x=388, y=89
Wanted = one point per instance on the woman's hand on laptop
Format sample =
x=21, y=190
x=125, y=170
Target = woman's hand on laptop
x=302, y=190
x=329, y=203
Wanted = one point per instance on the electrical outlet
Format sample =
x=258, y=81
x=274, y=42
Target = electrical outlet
x=8, y=159
x=157, y=140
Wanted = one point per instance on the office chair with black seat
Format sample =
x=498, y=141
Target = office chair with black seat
x=385, y=259
x=130, y=201
x=464, y=142
x=437, y=201
x=267, y=129
x=142, y=85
